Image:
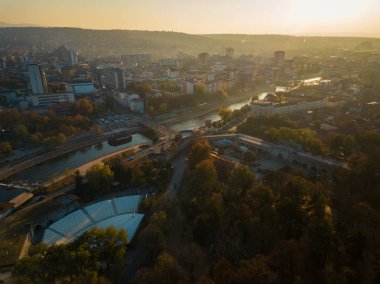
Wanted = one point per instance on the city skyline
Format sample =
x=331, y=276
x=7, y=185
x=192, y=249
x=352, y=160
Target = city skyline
x=294, y=17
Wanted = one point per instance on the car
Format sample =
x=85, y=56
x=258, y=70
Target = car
x=40, y=198
x=130, y=159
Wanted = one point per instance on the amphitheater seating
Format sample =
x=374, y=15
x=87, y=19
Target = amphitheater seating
x=127, y=204
x=101, y=210
x=119, y=212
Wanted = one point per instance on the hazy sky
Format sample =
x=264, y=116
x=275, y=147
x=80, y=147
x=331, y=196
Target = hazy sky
x=351, y=17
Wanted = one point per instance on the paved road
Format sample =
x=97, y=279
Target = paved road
x=14, y=168
x=180, y=165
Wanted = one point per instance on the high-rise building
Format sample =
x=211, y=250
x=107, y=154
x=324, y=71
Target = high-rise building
x=73, y=57
x=279, y=58
x=37, y=79
x=114, y=78
x=203, y=58
x=230, y=52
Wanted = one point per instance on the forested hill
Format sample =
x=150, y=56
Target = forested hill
x=93, y=43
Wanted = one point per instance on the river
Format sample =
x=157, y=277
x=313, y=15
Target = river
x=73, y=160
x=200, y=121
x=54, y=167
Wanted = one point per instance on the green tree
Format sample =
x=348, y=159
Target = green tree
x=5, y=148
x=163, y=107
x=241, y=179
x=200, y=151
x=21, y=130
x=100, y=177
x=225, y=114
x=137, y=177
x=108, y=245
x=203, y=179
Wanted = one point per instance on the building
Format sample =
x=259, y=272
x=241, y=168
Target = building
x=203, y=58
x=80, y=89
x=8, y=99
x=10, y=200
x=121, y=212
x=264, y=108
x=188, y=87
x=279, y=58
x=131, y=101
x=48, y=100
x=230, y=52
x=73, y=57
x=113, y=78
x=37, y=79
x=173, y=73
x=170, y=62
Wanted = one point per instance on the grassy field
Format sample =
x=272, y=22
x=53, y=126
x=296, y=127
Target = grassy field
x=14, y=228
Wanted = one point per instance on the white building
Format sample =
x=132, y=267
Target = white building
x=37, y=79
x=73, y=57
x=170, y=62
x=133, y=101
x=47, y=100
x=189, y=87
x=262, y=108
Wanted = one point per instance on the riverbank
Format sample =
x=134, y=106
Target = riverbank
x=205, y=110
x=83, y=168
x=10, y=170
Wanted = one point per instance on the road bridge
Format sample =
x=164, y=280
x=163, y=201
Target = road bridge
x=160, y=128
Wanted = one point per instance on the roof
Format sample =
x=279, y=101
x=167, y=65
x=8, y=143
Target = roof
x=118, y=212
x=21, y=199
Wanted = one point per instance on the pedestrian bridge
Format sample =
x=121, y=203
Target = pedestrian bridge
x=307, y=161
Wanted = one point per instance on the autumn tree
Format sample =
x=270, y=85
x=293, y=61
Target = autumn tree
x=200, y=151
x=100, y=177
x=84, y=107
x=5, y=148
x=225, y=114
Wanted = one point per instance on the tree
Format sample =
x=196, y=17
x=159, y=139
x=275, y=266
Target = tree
x=165, y=270
x=225, y=272
x=76, y=261
x=200, y=151
x=85, y=107
x=137, y=177
x=163, y=107
x=199, y=90
x=203, y=179
x=225, y=114
x=221, y=94
x=108, y=245
x=241, y=179
x=100, y=177
x=5, y=148
x=21, y=130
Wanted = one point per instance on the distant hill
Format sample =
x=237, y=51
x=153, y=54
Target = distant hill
x=8, y=25
x=96, y=43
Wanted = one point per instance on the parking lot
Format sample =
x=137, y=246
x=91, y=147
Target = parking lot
x=116, y=122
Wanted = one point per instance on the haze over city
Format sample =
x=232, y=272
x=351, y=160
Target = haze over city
x=295, y=17
x=190, y=141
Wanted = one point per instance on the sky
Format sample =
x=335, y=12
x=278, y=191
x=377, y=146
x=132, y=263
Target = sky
x=314, y=17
